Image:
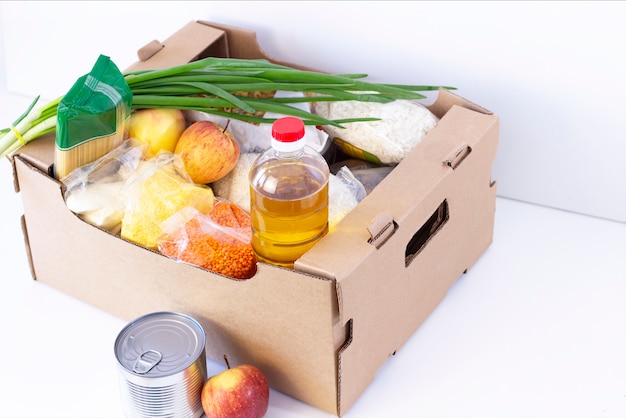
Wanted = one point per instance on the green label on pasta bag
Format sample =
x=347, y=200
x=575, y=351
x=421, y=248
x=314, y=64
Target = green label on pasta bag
x=356, y=152
x=96, y=106
x=92, y=117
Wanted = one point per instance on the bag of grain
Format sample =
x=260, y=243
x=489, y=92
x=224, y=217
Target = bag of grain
x=401, y=125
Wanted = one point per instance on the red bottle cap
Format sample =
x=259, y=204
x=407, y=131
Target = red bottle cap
x=288, y=129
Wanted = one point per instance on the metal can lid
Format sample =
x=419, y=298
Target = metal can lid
x=159, y=344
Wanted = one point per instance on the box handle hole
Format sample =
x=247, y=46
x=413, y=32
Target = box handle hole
x=423, y=236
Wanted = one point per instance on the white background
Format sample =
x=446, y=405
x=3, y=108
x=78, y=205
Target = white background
x=537, y=328
x=552, y=70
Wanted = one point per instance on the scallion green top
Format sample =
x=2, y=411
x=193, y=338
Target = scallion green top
x=222, y=86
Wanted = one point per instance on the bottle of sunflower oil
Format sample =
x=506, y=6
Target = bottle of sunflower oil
x=288, y=196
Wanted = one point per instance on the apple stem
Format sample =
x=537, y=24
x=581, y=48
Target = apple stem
x=226, y=360
x=226, y=127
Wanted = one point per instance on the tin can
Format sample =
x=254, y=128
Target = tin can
x=162, y=366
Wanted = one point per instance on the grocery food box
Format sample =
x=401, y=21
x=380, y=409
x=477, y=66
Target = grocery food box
x=321, y=332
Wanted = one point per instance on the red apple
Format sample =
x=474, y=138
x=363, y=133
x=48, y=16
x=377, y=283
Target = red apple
x=238, y=392
x=208, y=151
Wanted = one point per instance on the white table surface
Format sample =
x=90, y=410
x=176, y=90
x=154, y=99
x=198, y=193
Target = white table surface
x=537, y=328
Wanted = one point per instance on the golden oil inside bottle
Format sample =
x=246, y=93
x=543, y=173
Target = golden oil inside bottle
x=289, y=210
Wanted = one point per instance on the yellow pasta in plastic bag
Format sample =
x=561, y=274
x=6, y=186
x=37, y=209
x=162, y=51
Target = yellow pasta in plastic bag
x=159, y=189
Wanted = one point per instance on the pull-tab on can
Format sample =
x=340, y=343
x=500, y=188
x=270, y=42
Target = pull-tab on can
x=146, y=361
x=162, y=364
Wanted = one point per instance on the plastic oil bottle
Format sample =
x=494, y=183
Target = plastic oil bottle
x=288, y=196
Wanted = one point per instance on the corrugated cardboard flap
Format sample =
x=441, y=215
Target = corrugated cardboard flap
x=243, y=43
x=440, y=211
x=191, y=42
x=202, y=39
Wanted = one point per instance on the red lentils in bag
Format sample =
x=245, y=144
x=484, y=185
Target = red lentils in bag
x=219, y=241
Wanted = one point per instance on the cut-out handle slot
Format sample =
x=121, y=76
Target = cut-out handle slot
x=433, y=225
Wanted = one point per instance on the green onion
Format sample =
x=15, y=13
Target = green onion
x=30, y=125
x=211, y=85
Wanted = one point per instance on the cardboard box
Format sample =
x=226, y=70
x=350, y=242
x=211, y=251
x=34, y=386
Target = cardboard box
x=319, y=333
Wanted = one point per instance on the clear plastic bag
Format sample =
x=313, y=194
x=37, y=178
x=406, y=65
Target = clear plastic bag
x=401, y=127
x=219, y=241
x=344, y=193
x=159, y=188
x=93, y=191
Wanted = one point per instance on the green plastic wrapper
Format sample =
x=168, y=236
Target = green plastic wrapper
x=92, y=117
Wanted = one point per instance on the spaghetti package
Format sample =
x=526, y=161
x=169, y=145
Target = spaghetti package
x=219, y=241
x=91, y=117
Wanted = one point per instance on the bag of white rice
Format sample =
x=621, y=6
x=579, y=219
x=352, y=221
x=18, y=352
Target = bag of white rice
x=402, y=125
